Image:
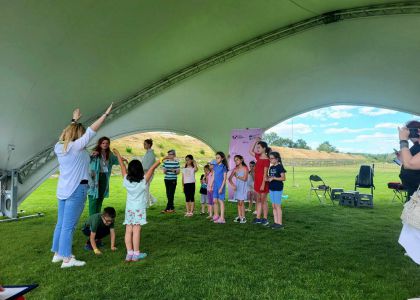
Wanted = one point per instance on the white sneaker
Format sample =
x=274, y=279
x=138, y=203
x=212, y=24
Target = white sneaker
x=237, y=219
x=73, y=262
x=243, y=221
x=58, y=258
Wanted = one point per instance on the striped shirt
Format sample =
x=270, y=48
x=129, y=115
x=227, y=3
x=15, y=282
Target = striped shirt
x=171, y=166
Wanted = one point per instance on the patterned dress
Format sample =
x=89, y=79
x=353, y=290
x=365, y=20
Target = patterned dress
x=135, y=208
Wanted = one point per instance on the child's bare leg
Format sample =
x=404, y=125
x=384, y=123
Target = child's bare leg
x=275, y=213
x=258, y=206
x=264, y=205
x=222, y=210
x=136, y=237
x=279, y=214
x=243, y=209
x=216, y=207
x=128, y=237
x=210, y=210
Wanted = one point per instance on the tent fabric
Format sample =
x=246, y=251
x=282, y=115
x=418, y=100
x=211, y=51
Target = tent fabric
x=56, y=56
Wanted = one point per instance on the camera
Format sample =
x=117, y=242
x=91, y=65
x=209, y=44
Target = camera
x=414, y=133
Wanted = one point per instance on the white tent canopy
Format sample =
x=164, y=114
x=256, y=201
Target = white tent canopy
x=56, y=56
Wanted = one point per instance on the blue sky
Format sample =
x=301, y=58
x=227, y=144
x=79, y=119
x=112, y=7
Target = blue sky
x=348, y=128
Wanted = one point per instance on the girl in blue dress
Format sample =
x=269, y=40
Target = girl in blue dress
x=218, y=187
x=240, y=186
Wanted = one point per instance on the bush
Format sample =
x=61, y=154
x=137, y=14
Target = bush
x=202, y=151
x=162, y=154
x=160, y=146
x=128, y=149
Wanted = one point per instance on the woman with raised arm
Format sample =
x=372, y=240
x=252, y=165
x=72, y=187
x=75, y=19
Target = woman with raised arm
x=101, y=162
x=410, y=235
x=73, y=160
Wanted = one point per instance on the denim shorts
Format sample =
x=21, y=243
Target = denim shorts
x=275, y=197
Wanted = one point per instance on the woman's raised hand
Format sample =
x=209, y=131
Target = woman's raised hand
x=76, y=114
x=403, y=133
x=109, y=109
x=116, y=152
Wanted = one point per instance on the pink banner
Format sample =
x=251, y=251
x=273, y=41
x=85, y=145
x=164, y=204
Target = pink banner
x=240, y=141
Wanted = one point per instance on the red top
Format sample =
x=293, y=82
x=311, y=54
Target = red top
x=260, y=165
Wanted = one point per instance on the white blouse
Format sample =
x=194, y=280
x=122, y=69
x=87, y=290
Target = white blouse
x=73, y=164
x=188, y=175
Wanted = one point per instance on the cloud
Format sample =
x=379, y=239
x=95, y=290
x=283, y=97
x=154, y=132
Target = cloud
x=340, y=114
x=371, y=111
x=345, y=130
x=328, y=124
x=285, y=128
x=388, y=125
x=334, y=112
x=377, y=137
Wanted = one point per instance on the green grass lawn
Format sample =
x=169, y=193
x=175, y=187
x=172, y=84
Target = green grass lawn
x=325, y=252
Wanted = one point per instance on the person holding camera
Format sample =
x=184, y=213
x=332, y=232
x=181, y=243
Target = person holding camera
x=410, y=178
x=410, y=235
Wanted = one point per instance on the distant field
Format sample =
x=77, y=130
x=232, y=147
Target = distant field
x=325, y=251
x=188, y=145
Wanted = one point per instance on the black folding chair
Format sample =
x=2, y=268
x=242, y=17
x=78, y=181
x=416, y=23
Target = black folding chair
x=365, y=178
x=319, y=187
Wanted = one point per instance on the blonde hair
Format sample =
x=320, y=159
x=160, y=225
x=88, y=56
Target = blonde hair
x=71, y=133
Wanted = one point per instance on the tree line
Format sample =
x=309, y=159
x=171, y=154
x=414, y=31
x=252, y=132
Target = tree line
x=273, y=139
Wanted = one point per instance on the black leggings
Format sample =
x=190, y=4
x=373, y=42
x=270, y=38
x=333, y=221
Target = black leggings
x=189, y=191
x=170, y=193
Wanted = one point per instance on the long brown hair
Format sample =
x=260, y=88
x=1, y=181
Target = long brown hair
x=71, y=133
x=98, y=146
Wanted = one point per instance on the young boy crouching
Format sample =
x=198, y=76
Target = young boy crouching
x=98, y=226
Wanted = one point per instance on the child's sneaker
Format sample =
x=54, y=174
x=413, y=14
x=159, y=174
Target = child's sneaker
x=220, y=221
x=128, y=257
x=243, y=221
x=254, y=212
x=137, y=257
x=264, y=222
x=237, y=219
x=256, y=221
x=215, y=218
x=73, y=262
x=277, y=226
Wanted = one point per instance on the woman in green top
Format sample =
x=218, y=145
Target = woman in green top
x=101, y=162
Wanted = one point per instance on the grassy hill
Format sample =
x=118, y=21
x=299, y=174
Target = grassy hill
x=132, y=146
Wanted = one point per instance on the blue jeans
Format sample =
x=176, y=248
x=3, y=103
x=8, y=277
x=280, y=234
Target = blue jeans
x=69, y=211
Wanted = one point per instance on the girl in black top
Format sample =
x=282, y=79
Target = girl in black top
x=276, y=176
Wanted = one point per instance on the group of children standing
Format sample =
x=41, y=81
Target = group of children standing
x=265, y=175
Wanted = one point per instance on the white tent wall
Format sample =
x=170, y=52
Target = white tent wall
x=367, y=61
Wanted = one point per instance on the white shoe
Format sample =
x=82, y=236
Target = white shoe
x=73, y=262
x=243, y=221
x=58, y=258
